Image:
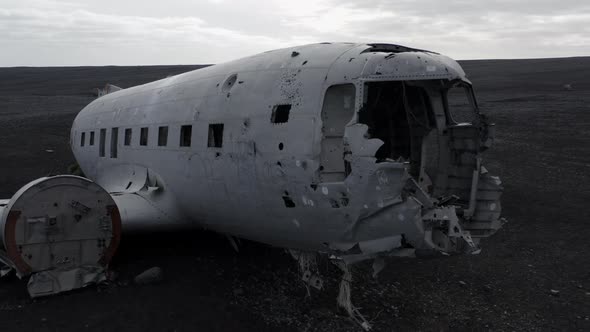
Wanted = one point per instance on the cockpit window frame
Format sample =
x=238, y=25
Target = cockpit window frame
x=470, y=94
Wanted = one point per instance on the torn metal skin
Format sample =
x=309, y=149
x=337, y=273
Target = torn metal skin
x=357, y=151
x=414, y=182
x=431, y=195
x=373, y=140
x=62, y=231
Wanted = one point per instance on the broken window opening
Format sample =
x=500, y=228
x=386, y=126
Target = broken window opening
x=82, y=139
x=400, y=114
x=143, y=136
x=186, y=133
x=163, y=136
x=280, y=113
x=215, y=135
x=128, y=136
x=114, y=142
x=91, y=143
x=460, y=104
x=101, y=143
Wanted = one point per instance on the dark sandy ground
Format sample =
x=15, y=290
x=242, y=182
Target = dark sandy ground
x=542, y=154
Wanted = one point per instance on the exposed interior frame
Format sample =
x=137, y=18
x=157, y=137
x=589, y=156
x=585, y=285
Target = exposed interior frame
x=414, y=121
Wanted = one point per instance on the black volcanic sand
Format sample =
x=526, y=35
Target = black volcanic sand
x=541, y=153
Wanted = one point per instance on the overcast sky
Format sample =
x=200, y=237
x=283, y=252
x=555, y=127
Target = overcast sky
x=137, y=32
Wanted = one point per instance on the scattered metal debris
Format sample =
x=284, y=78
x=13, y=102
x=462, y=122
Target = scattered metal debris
x=149, y=276
x=108, y=88
x=234, y=242
x=5, y=270
x=50, y=282
x=62, y=231
x=378, y=265
x=344, y=296
x=308, y=268
x=312, y=280
x=374, y=151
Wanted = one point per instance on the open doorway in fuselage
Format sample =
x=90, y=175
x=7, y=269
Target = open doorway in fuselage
x=400, y=114
x=337, y=111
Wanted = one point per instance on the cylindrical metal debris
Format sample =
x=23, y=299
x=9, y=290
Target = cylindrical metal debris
x=59, y=223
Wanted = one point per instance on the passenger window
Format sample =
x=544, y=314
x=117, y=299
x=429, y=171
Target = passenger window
x=215, y=135
x=128, y=136
x=114, y=142
x=102, y=139
x=91, y=138
x=143, y=136
x=185, y=135
x=82, y=139
x=280, y=114
x=162, y=136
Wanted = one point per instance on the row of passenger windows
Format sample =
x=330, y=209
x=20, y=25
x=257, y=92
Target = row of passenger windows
x=215, y=137
x=280, y=114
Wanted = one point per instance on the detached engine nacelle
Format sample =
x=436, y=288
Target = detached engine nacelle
x=62, y=230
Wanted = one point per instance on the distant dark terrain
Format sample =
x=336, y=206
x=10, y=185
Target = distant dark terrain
x=541, y=152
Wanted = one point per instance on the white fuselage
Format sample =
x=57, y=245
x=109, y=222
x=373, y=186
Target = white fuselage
x=243, y=168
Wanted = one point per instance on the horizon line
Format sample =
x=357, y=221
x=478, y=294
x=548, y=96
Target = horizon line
x=211, y=64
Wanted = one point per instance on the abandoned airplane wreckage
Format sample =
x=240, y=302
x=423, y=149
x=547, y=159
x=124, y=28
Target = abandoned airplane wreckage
x=355, y=151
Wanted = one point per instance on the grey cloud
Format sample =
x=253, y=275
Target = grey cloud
x=108, y=33
x=182, y=31
x=477, y=8
x=490, y=33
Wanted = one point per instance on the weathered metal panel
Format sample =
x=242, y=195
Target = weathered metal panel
x=265, y=183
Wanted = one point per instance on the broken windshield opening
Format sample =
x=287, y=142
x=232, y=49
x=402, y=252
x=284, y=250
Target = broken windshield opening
x=401, y=116
x=460, y=104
